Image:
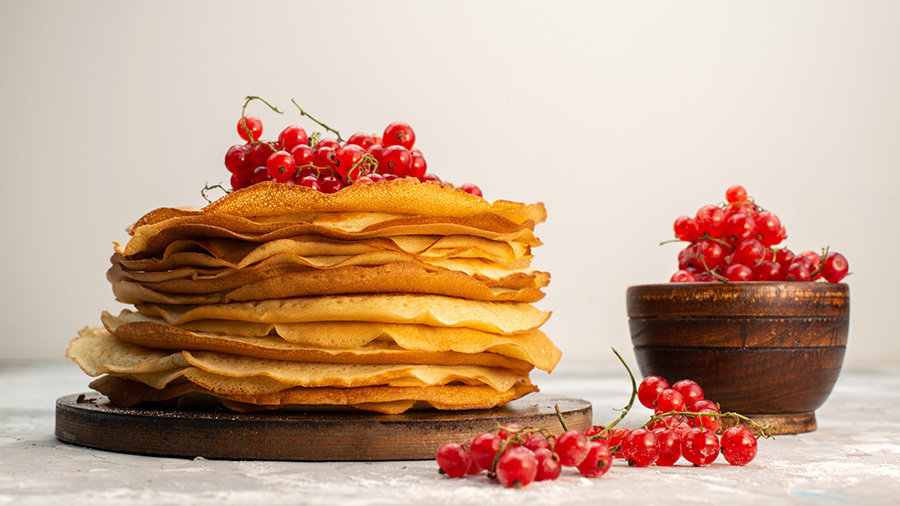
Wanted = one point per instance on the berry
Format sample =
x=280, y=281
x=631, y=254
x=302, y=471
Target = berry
x=689, y=390
x=419, y=166
x=398, y=134
x=345, y=158
x=395, y=160
x=483, y=449
x=324, y=157
x=571, y=447
x=236, y=159
x=259, y=175
x=735, y=194
x=548, y=466
x=669, y=446
x=768, y=228
x=249, y=128
x=738, y=445
x=682, y=276
x=613, y=438
x=700, y=446
x=649, y=390
x=375, y=150
x=259, y=155
x=711, y=220
x=797, y=271
x=535, y=441
x=749, y=252
x=668, y=421
x=597, y=461
x=303, y=155
x=706, y=422
x=686, y=228
x=517, y=467
x=835, y=267
x=362, y=140
x=291, y=137
x=712, y=254
x=453, y=459
x=704, y=404
x=669, y=400
x=432, y=177
x=738, y=272
x=309, y=181
x=330, y=184
x=471, y=189
x=768, y=271
x=640, y=447
x=784, y=257
x=328, y=143
x=740, y=226
x=281, y=166
x=239, y=181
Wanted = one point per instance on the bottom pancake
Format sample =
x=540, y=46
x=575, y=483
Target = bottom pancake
x=380, y=399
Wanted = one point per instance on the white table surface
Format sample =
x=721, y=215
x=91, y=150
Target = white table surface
x=854, y=457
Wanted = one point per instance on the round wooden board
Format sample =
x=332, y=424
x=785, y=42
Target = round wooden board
x=89, y=419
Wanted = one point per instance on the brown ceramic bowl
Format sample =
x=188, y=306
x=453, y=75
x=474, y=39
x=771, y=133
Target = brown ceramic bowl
x=771, y=351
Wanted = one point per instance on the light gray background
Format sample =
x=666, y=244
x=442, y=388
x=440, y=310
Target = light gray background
x=619, y=116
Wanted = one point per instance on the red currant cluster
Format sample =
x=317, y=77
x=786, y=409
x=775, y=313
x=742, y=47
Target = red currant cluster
x=683, y=424
x=516, y=456
x=736, y=241
x=325, y=164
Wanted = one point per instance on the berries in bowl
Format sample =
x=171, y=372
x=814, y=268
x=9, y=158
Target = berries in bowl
x=762, y=328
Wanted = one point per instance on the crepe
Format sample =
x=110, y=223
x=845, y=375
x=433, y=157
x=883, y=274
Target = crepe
x=347, y=342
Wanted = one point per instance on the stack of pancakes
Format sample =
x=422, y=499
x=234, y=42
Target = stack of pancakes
x=382, y=297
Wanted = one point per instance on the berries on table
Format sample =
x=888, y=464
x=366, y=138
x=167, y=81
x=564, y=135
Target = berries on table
x=517, y=467
x=700, y=446
x=649, y=390
x=572, y=447
x=640, y=447
x=453, y=459
x=597, y=461
x=738, y=445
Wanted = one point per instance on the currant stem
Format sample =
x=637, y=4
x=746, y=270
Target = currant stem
x=765, y=431
x=247, y=100
x=323, y=125
x=207, y=187
x=562, y=421
x=627, y=408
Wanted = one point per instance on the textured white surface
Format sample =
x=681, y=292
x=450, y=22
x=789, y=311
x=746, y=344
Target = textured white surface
x=853, y=457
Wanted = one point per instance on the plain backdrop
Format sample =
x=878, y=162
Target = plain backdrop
x=618, y=116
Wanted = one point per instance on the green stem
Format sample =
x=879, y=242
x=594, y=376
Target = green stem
x=766, y=431
x=207, y=187
x=562, y=421
x=323, y=125
x=627, y=408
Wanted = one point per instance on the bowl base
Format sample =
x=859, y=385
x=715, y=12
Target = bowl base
x=785, y=423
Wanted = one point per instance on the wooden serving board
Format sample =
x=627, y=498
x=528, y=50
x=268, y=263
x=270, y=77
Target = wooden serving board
x=89, y=419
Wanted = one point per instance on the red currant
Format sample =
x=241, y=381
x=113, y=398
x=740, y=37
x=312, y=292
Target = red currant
x=649, y=390
x=324, y=158
x=735, y=194
x=784, y=257
x=535, y=441
x=239, y=181
x=749, y=252
x=706, y=422
x=548, y=467
x=291, y=137
x=249, y=128
x=768, y=271
x=711, y=220
x=453, y=459
x=682, y=276
x=704, y=404
x=689, y=390
x=797, y=271
x=281, y=166
x=471, y=189
x=740, y=226
x=260, y=174
x=738, y=272
x=668, y=421
x=669, y=446
x=571, y=447
x=309, y=181
x=835, y=267
x=236, y=159
x=669, y=400
x=738, y=445
x=640, y=447
x=399, y=134
x=484, y=448
x=430, y=177
x=375, y=150
x=517, y=467
x=700, y=446
x=597, y=461
x=345, y=158
x=419, y=166
x=362, y=140
x=328, y=143
x=303, y=155
x=686, y=228
x=712, y=254
x=395, y=160
x=768, y=228
x=330, y=184
x=259, y=155
x=613, y=438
